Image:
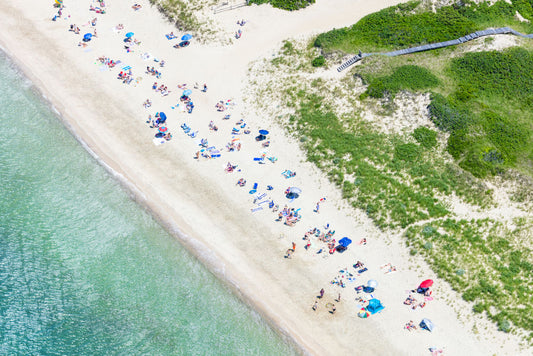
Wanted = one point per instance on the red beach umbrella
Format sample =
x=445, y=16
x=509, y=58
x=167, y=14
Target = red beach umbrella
x=426, y=284
x=163, y=129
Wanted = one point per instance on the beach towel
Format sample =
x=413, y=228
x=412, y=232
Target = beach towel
x=126, y=68
x=157, y=141
x=257, y=209
x=362, y=270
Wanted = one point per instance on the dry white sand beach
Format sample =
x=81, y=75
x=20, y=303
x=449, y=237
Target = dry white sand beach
x=200, y=203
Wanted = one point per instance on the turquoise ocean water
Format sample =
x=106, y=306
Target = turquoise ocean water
x=84, y=270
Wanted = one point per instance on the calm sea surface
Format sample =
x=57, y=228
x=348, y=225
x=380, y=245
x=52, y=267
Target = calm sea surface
x=84, y=270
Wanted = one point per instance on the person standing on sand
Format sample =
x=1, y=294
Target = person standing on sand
x=339, y=298
x=315, y=305
x=321, y=293
x=293, y=246
x=333, y=309
x=317, y=209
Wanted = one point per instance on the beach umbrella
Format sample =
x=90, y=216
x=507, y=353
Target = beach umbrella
x=129, y=34
x=87, y=37
x=162, y=117
x=186, y=37
x=263, y=132
x=427, y=324
x=426, y=284
x=295, y=190
x=163, y=129
x=372, y=283
x=363, y=314
x=187, y=92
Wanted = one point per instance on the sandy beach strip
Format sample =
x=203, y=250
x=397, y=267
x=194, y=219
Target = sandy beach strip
x=199, y=202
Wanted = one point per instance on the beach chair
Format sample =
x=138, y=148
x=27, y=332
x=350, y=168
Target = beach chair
x=254, y=189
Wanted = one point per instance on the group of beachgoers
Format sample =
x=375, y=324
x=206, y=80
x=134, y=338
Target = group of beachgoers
x=238, y=33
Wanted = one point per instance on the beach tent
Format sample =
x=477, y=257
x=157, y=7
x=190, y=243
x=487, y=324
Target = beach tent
x=263, y=132
x=87, y=37
x=345, y=242
x=426, y=284
x=129, y=34
x=186, y=37
x=374, y=306
x=427, y=324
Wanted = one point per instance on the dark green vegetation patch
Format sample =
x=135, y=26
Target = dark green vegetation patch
x=407, y=77
x=489, y=115
x=406, y=25
x=285, y=4
x=426, y=137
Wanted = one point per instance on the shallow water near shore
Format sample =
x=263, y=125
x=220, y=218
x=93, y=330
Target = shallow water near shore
x=84, y=270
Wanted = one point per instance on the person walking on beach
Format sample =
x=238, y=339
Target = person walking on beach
x=333, y=309
x=321, y=293
x=315, y=305
x=317, y=209
x=339, y=298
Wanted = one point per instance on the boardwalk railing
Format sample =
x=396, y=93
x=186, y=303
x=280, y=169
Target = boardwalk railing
x=427, y=47
x=225, y=6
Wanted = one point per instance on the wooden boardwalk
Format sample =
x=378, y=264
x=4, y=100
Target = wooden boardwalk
x=428, y=47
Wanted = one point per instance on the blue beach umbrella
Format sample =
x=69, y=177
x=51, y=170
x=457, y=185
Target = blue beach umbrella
x=372, y=283
x=263, y=132
x=129, y=34
x=87, y=37
x=186, y=37
x=162, y=117
x=187, y=92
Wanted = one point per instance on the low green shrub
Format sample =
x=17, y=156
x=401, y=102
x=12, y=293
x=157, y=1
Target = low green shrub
x=425, y=137
x=407, y=152
x=285, y=4
x=318, y=61
x=407, y=77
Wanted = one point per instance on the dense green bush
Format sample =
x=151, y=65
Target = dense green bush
x=508, y=74
x=447, y=115
x=318, y=61
x=407, y=77
x=426, y=137
x=285, y=4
